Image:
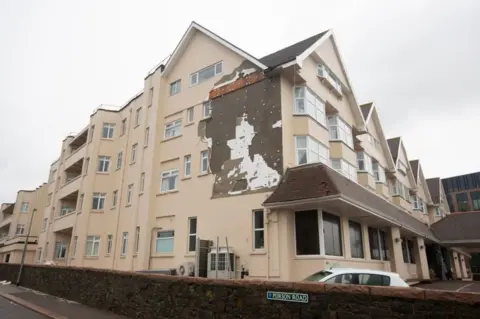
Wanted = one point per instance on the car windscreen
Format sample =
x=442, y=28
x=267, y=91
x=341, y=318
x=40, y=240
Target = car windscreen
x=317, y=276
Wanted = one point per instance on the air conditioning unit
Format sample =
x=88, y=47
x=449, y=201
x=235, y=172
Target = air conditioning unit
x=186, y=269
x=219, y=266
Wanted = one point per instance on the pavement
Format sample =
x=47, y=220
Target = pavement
x=453, y=285
x=22, y=303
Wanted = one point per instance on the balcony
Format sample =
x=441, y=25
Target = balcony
x=329, y=80
x=76, y=156
x=6, y=221
x=78, y=142
x=62, y=223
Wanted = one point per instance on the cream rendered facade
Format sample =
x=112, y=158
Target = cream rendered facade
x=139, y=181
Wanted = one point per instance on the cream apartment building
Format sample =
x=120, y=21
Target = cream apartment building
x=218, y=145
x=15, y=220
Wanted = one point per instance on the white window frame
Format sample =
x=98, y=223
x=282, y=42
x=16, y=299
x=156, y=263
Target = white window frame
x=103, y=164
x=124, y=244
x=207, y=109
x=25, y=207
x=187, y=160
x=339, y=130
x=44, y=224
x=258, y=229
x=378, y=172
x=165, y=238
x=20, y=229
x=173, y=129
x=175, y=87
x=138, y=116
x=137, y=240
x=365, y=160
x=114, y=198
x=147, y=135
x=95, y=241
x=217, y=69
x=109, y=244
x=204, y=162
x=346, y=168
x=119, y=160
x=190, y=114
x=192, y=234
x=438, y=212
x=313, y=149
x=129, y=194
x=325, y=72
x=109, y=129
x=142, y=182
x=101, y=197
x=59, y=246
x=312, y=104
x=124, y=126
x=169, y=174
x=133, y=157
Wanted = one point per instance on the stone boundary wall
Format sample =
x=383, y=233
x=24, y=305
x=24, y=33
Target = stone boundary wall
x=138, y=295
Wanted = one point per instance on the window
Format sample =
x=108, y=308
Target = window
x=402, y=167
x=103, y=164
x=124, y=243
x=66, y=210
x=20, y=229
x=165, y=242
x=340, y=131
x=169, y=180
x=190, y=115
x=204, y=162
x=173, y=129
x=378, y=172
x=134, y=153
x=438, y=212
x=373, y=280
x=80, y=202
x=60, y=250
x=138, y=115
x=147, y=133
x=124, y=126
x=92, y=132
x=378, y=244
x=475, y=196
x=207, y=109
x=345, y=168
x=137, y=240
x=462, y=202
x=364, y=162
x=258, y=230
x=93, y=244
x=309, y=150
x=192, y=233
x=325, y=72
x=98, y=202
x=39, y=254
x=407, y=250
x=306, y=102
x=114, y=198
x=222, y=263
x=109, y=244
x=206, y=73
x=74, y=249
x=44, y=224
x=87, y=162
x=119, y=160
x=414, y=200
x=150, y=96
x=25, y=207
x=175, y=87
x=398, y=189
x=129, y=194
x=332, y=235
x=307, y=233
x=188, y=165
x=356, y=239
x=142, y=182
x=108, y=129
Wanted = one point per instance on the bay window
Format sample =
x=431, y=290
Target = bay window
x=378, y=172
x=344, y=167
x=364, y=162
x=309, y=150
x=340, y=130
x=306, y=102
x=398, y=189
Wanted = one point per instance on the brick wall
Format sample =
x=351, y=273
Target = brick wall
x=154, y=296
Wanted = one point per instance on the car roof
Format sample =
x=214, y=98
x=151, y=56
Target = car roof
x=336, y=270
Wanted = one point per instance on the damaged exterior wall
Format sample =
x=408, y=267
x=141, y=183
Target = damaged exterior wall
x=244, y=133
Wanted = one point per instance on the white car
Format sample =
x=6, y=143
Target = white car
x=353, y=276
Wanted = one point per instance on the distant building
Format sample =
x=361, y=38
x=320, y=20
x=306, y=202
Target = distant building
x=463, y=192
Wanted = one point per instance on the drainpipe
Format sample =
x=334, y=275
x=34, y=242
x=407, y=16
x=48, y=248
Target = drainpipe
x=25, y=248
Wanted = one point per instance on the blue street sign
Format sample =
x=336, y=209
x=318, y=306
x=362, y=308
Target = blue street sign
x=287, y=296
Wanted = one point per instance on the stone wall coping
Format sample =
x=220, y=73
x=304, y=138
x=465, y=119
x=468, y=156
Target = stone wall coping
x=302, y=287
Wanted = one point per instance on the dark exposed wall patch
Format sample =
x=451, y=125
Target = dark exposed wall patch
x=245, y=138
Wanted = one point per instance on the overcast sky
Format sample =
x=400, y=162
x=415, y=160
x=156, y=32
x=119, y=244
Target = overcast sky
x=59, y=60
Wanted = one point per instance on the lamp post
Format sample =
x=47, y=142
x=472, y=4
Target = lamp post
x=25, y=248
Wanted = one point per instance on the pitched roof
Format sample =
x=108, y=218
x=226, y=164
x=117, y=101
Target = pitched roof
x=458, y=227
x=434, y=188
x=366, y=108
x=414, y=166
x=394, y=145
x=291, y=52
x=315, y=181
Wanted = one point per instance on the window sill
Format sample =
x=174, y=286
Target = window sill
x=114, y=207
x=190, y=254
x=168, y=192
x=145, y=146
x=128, y=205
x=131, y=163
x=91, y=257
x=137, y=125
x=140, y=194
x=118, y=168
x=106, y=139
x=135, y=254
x=163, y=255
x=171, y=138
x=204, y=118
x=107, y=255
x=186, y=178
x=203, y=174
x=102, y=173
x=189, y=124
x=123, y=256
x=297, y=257
x=258, y=253
x=97, y=211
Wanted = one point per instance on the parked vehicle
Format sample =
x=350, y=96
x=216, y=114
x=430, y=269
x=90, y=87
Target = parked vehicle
x=353, y=276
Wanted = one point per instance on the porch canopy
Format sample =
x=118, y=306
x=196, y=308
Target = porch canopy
x=317, y=186
x=459, y=230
